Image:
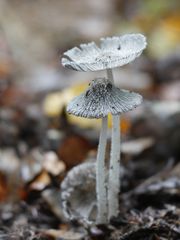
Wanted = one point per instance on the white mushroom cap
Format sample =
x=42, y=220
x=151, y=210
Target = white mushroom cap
x=101, y=98
x=78, y=195
x=113, y=52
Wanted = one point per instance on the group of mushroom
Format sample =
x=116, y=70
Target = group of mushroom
x=100, y=99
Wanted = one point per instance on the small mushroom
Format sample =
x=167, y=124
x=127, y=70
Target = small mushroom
x=113, y=52
x=100, y=99
x=78, y=196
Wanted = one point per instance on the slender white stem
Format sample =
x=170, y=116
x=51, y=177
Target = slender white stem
x=110, y=75
x=114, y=170
x=101, y=185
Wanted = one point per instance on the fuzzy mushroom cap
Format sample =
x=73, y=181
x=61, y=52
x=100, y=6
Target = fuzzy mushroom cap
x=113, y=52
x=101, y=98
x=78, y=195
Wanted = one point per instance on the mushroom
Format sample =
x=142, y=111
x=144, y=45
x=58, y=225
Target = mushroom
x=100, y=99
x=113, y=52
x=78, y=197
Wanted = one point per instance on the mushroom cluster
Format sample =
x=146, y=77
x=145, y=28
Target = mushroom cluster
x=103, y=98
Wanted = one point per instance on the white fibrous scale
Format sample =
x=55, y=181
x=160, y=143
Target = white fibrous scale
x=113, y=52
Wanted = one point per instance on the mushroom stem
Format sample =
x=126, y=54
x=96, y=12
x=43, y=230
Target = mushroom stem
x=110, y=75
x=101, y=186
x=114, y=169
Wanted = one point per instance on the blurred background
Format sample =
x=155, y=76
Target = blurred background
x=39, y=142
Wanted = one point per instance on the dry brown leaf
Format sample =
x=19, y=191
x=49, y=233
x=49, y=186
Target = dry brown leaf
x=74, y=150
x=13, y=96
x=3, y=188
x=5, y=69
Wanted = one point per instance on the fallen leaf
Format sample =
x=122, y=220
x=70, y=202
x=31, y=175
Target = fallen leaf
x=55, y=102
x=40, y=182
x=52, y=198
x=74, y=150
x=3, y=188
x=136, y=146
x=65, y=235
x=52, y=164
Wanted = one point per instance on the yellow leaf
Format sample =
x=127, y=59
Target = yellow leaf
x=55, y=102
